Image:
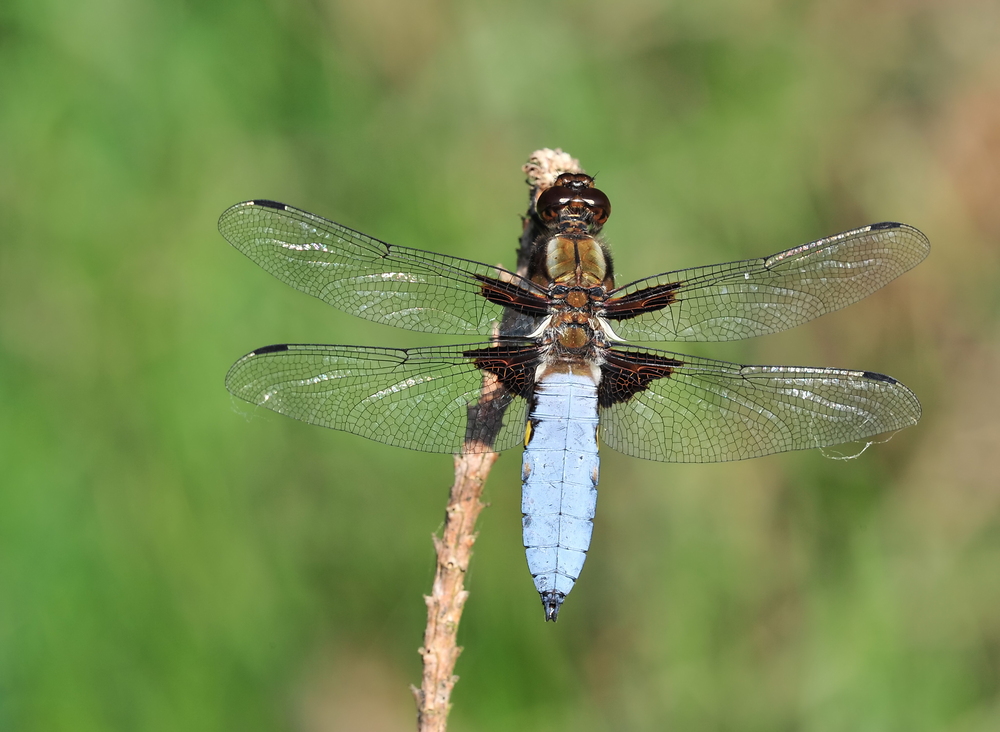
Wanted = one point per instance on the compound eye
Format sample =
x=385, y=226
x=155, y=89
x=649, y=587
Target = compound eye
x=551, y=201
x=599, y=203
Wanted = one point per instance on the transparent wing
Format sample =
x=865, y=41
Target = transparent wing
x=419, y=398
x=754, y=297
x=407, y=288
x=704, y=411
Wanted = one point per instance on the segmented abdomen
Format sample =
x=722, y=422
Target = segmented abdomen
x=559, y=495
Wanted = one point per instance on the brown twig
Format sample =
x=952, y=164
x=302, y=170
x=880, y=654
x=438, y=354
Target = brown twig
x=447, y=598
x=454, y=547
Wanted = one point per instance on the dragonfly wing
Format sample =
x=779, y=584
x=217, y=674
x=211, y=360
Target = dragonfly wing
x=671, y=407
x=356, y=273
x=754, y=297
x=418, y=398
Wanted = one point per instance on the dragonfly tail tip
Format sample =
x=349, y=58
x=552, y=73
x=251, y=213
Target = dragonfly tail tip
x=552, y=600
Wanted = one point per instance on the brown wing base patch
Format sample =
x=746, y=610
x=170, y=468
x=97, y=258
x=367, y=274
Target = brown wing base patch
x=512, y=295
x=625, y=373
x=508, y=372
x=647, y=300
x=514, y=366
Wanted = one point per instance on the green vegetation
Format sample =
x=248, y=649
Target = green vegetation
x=173, y=560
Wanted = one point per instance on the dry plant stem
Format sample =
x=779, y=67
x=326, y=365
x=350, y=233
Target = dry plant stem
x=447, y=598
x=454, y=547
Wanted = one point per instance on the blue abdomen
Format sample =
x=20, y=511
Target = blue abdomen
x=559, y=496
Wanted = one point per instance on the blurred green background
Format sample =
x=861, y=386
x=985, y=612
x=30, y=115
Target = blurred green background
x=171, y=559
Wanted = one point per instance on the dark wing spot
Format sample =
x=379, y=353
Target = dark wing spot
x=879, y=377
x=269, y=204
x=885, y=225
x=270, y=349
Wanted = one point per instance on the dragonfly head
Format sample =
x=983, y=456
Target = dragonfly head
x=574, y=196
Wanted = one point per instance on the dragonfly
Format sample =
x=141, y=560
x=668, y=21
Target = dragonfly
x=559, y=367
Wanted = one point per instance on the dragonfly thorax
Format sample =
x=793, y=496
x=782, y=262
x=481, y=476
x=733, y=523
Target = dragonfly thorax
x=577, y=262
x=574, y=336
